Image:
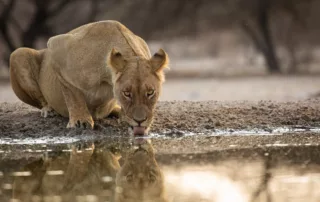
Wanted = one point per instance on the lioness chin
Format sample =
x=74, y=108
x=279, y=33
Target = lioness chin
x=85, y=73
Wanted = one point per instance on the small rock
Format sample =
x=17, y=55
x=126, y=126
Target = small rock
x=232, y=117
x=209, y=127
x=306, y=118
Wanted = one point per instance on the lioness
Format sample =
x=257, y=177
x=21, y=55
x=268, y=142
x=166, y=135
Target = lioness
x=87, y=171
x=140, y=178
x=95, y=172
x=84, y=73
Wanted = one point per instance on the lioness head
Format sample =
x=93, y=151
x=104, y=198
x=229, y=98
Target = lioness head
x=140, y=178
x=137, y=85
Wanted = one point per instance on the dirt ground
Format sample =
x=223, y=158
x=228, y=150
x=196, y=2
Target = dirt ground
x=19, y=120
x=206, y=166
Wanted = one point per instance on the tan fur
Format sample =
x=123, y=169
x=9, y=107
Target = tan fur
x=84, y=73
x=83, y=171
x=140, y=178
x=82, y=174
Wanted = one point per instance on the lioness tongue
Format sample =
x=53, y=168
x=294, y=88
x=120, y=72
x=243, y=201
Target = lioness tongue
x=138, y=131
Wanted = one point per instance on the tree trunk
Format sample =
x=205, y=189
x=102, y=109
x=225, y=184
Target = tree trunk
x=260, y=33
x=4, y=22
x=263, y=25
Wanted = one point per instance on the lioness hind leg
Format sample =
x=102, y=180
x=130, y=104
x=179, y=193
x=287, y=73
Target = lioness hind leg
x=24, y=75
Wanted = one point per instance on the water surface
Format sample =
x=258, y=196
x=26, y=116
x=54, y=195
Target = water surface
x=159, y=169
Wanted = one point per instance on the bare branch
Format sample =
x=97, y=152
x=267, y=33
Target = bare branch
x=94, y=10
x=16, y=24
x=62, y=4
x=2, y=2
x=4, y=20
x=6, y=11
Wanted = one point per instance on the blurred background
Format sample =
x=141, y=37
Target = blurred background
x=219, y=49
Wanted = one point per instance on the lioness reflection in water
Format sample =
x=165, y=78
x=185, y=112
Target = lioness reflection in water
x=93, y=174
x=140, y=178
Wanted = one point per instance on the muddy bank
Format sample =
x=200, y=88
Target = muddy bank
x=191, y=141
x=21, y=121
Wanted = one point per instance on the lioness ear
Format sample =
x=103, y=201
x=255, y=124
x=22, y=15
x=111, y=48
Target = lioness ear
x=116, y=61
x=159, y=60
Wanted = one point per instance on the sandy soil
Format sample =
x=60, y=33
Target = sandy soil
x=19, y=120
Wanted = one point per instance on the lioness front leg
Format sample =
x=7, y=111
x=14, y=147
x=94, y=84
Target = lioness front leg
x=79, y=115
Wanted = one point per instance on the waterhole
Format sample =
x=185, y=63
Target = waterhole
x=221, y=166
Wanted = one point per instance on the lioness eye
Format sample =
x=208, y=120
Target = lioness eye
x=127, y=94
x=150, y=93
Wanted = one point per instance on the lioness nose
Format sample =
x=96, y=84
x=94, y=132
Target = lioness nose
x=139, y=115
x=140, y=120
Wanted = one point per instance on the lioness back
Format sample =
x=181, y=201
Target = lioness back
x=113, y=33
x=86, y=49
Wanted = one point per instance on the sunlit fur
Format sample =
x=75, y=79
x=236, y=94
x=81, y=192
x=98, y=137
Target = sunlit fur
x=138, y=77
x=82, y=74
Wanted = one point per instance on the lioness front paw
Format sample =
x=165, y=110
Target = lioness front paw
x=115, y=113
x=81, y=123
x=47, y=111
